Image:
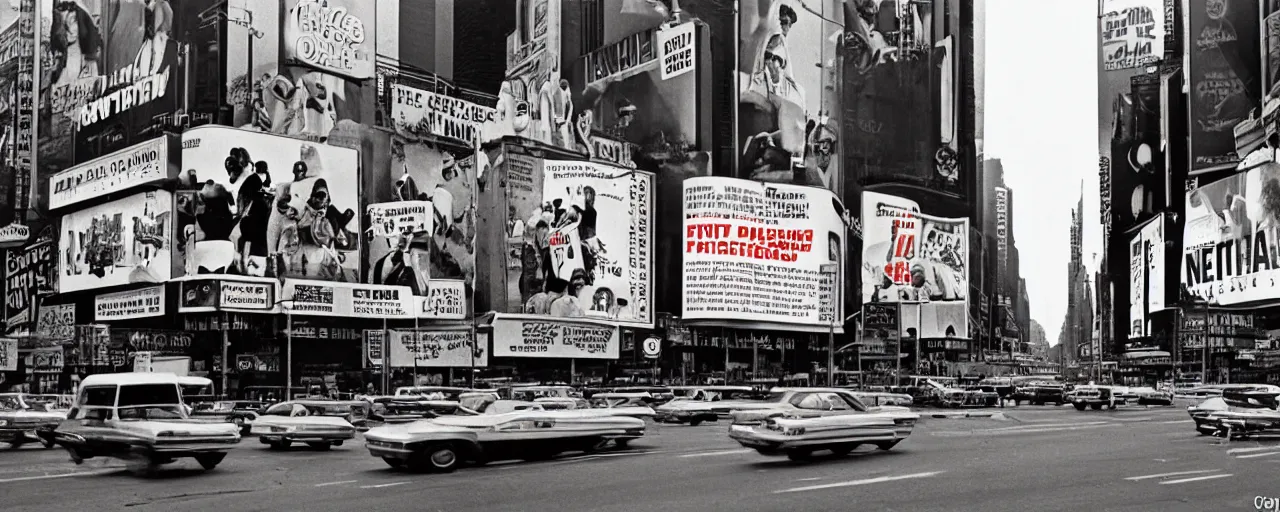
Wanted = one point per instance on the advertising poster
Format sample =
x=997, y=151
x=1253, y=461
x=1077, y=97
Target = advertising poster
x=436, y=349
x=1230, y=239
x=1137, y=287
x=129, y=304
x=1223, y=75
x=125, y=241
x=420, y=114
x=263, y=205
x=57, y=321
x=302, y=66
x=242, y=294
x=912, y=257
x=1128, y=33
x=533, y=99
x=29, y=272
x=881, y=334
x=580, y=238
x=400, y=218
x=564, y=339
x=444, y=300
x=754, y=251
x=788, y=89
x=138, y=165
x=1153, y=237
x=8, y=355
x=346, y=299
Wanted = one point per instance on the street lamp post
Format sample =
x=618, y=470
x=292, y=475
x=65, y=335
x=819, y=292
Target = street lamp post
x=288, y=351
x=833, y=270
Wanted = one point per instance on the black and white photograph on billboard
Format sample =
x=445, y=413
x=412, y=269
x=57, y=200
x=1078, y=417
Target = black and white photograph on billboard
x=125, y=241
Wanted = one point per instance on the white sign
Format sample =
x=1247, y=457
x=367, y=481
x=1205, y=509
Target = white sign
x=122, y=242
x=754, y=251
x=652, y=347
x=523, y=336
x=351, y=300
x=240, y=294
x=137, y=165
x=8, y=355
x=1132, y=33
x=436, y=349
x=140, y=303
x=400, y=218
x=245, y=295
x=327, y=35
x=445, y=300
x=676, y=46
x=57, y=321
x=416, y=112
x=14, y=234
x=142, y=362
x=375, y=346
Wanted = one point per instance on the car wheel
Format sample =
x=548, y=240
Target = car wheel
x=394, y=462
x=887, y=445
x=1096, y=407
x=799, y=455
x=141, y=465
x=209, y=461
x=322, y=446
x=1080, y=407
x=844, y=449
x=75, y=456
x=17, y=443
x=439, y=458
x=694, y=423
x=621, y=443
x=280, y=445
x=1111, y=407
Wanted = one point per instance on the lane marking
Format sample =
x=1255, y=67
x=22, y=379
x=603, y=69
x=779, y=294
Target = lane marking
x=714, y=454
x=957, y=433
x=1048, y=425
x=1264, y=454
x=1135, y=420
x=1177, y=473
x=1195, y=479
x=64, y=475
x=337, y=483
x=1172, y=422
x=808, y=479
x=867, y=481
x=1253, y=449
x=382, y=485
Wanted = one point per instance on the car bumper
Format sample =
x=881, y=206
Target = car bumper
x=307, y=437
x=767, y=440
x=685, y=417
x=391, y=450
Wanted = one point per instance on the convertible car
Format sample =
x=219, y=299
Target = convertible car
x=806, y=420
x=1239, y=414
x=28, y=418
x=321, y=424
x=486, y=429
x=139, y=417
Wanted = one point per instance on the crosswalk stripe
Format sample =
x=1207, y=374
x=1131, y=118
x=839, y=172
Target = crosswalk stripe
x=1176, y=473
x=1194, y=479
x=1252, y=449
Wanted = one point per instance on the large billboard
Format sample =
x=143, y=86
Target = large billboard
x=140, y=164
x=1146, y=276
x=1223, y=72
x=579, y=239
x=125, y=241
x=912, y=257
x=789, y=91
x=330, y=35
x=435, y=348
x=29, y=272
x=755, y=252
x=1128, y=33
x=1230, y=238
x=263, y=205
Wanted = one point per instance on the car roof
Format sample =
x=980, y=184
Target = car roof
x=117, y=379
x=194, y=381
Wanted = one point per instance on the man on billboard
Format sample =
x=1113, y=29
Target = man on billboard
x=778, y=104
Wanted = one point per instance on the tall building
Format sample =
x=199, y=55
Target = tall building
x=1003, y=270
x=1037, y=341
x=1077, y=326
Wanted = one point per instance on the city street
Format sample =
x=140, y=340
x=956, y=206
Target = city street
x=1039, y=458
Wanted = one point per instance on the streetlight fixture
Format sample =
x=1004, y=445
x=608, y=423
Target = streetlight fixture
x=833, y=270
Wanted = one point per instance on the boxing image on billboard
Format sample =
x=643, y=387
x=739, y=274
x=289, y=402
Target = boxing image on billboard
x=788, y=91
x=755, y=251
x=125, y=241
x=263, y=205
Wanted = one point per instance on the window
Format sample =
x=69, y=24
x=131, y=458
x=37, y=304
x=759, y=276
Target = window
x=149, y=394
x=809, y=401
x=94, y=413
x=104, y=396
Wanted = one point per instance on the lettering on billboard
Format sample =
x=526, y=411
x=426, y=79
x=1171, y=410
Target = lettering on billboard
x=327, y=35
x=8, y=355
x=347, y=299
x=1104, y=193
x=401, y=218
x=25, y=107
x=137, y=165
x=415, y=112
x=444, y=300
x=1233, y=260
x=1128, y=34
x=677, y=47
x=519, y=337
x=57, y=321
x=880, y=331
x=121, y=242
x=436, y=349
x=140, y=303
x=755, y=251
x=29, y=273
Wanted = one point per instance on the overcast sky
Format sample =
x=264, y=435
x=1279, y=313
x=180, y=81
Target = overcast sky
x=1042, y=121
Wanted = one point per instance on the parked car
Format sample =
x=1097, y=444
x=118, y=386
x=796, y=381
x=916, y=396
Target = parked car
x=321, y=424
x=239, y=412
x=28, y=418
x=880, y=398
x=784, y=401
x=487, y=429
x=1152, y=396
x=1095, y=397
x=815, y=419
x=1039, y=394
x=139, y=417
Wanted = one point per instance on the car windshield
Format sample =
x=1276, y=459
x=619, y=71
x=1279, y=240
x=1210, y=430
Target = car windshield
x=151, y=412
x=149, y=395
x=775, y=396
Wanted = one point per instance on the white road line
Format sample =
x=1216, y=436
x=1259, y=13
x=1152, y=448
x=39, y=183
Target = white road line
x=1264, y=454
x=1178, y=473
x=808, y=479
x=1049, y=425
x=382, y=485
x=1172, y=422
x=1247, y=450
x=1194, y=479
x=713, y=454
x=326, y=484
x=64, y=475
x=852, y=483
x=1135, y=420
x=954, y=433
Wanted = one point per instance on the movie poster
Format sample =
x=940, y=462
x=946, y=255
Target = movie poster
x=262, y=205
x=126, y=241
x=29, y=273
x=788, y=89
x=1223, y=73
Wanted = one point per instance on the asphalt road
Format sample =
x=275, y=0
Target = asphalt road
x=1036, y=459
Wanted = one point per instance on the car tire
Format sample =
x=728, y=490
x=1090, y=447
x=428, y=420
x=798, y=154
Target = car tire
x=1081, y=407
x=799, y=455
x=75, y=456
x=844, y=449
x=1111, y=407
x=394, y=462
x=17, y=443
x=694, y=423
x=322, y=446
x=622, y=443
x=1096, y=407
x=209, y=461
x=437, y=458
x=141, y=465
x=887, y=445
x=280, y=445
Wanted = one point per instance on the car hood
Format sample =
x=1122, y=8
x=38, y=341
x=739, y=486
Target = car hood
x=295, y=421
x=722, y=405
x=404, y=432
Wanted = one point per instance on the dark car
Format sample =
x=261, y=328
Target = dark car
x=1039, y=395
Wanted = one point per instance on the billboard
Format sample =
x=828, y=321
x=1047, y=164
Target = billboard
x=1223, y=73
x=755, y=251
x=912, y=257
x=130, y=304
x=789, y=91
x=558, y=338
x=1128, y=33
x=579, y=241
x=306, y=297
x=532, y=95
x=241, y=294
x=452, y=348
x=263, y=205
x=125, y=241
x=1230, y=238
x=29, y=272
x=140, y=164
x=1146, y=277
x=881, y=334
x=417, y=113
x=330, y=35
x=1002, y=235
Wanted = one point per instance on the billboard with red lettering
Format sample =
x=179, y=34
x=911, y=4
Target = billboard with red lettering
x=756, y=251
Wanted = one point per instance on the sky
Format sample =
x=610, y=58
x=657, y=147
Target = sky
x=1042, y=122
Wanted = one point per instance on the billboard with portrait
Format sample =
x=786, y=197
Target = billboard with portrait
x=1146, y=276
x=912, y=257
x=755, y=251
x=1230, y=239
x=125, y=241
x=788, y=91
x=264, y=205
x=1223, y=71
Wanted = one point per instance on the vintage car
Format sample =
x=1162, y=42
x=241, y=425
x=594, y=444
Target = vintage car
x=556, y=403
x=440, y=399
x=695, y=412
x=240, y=412
x=1247, y=414
x=635, y=405
x=783, y=401
x=1039, y=394
x=880, y=398
x=1242, y=399
x=1094, y=397
x=1151, y=396
x=139, y=417
x=319, y=423
x=400, y=409
x=486, y=429
x=28, y=418
x=815, y=419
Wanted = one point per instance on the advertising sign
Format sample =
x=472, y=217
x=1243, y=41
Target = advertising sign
x=1128, y=33
x=304, y=297
x=881, y=334
x=246, y=295
x=375, y=346
x=788, y=91
x=57, y=321
x=1104, y=194
x=8, y=355
x=912, y=257
x=676, y=47
x=140, y=303
x=1137, y=287
x=755, y=251
x=1271, y=33
x=138, y=165
x=420, y=113
x=264, y=205
x=47, y=360
x=532, y=90
x=29, y=272
x=436, y=349
x=330, y=35
x=1230, y=239
x=1222, y=72
x=26, y=95
x=1002, y=233
x=558, y=338
x=125, y=241
x=401, y=218
x=444, y=300
x=580, y=241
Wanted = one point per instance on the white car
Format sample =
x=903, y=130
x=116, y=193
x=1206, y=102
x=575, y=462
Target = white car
x=815, y=419
x=319, y=423
x=635, y=405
